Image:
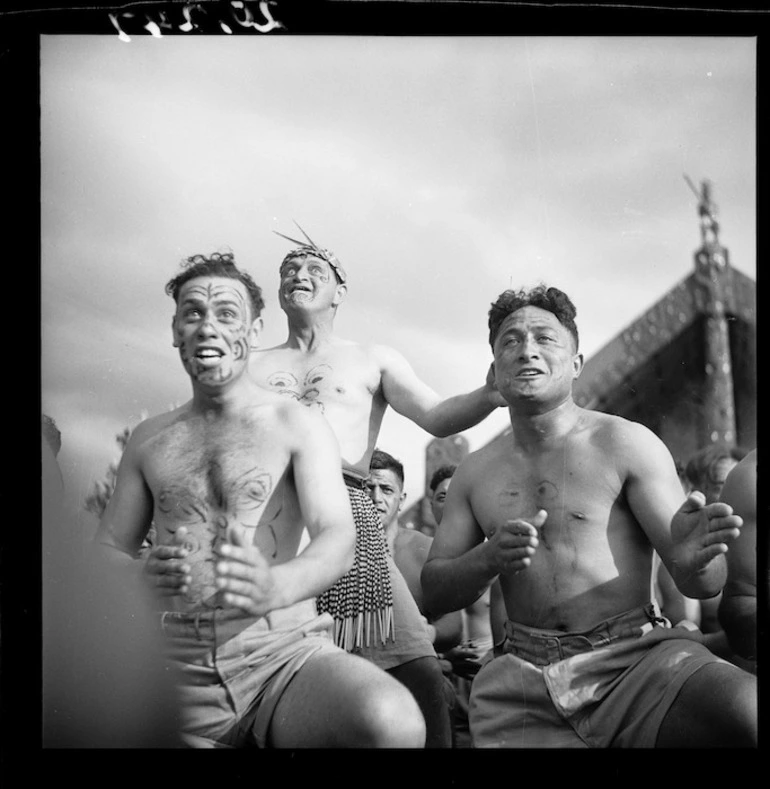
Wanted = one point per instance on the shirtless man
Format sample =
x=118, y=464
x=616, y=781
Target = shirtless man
x=738, y=607
x=572, y=504
x=477, y=617
x=231, y=479
x=409, y=549
x=352, y=384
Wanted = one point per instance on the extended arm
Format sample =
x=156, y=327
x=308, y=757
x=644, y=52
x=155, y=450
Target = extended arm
x=461, y=563
x=412, y=398
x=691, y=537
x=738, y=607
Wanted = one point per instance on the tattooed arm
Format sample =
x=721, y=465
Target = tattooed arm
x=244, y=574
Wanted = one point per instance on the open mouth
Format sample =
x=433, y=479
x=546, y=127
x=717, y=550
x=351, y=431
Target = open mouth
x=209, y=355
x=529, y=373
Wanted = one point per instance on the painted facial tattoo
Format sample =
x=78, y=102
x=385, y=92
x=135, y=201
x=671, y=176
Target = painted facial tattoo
x=533, y=352
x=438, y=499
x=302, y=278
x=212, y=328
x=385, y=491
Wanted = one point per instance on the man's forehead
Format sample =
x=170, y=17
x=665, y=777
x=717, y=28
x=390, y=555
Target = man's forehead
x=213, y=288
x=301, y=257
x=385, y=475
x=530, y=315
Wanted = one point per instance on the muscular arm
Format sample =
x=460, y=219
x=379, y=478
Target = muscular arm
x=738, y=607
x=412, y=398
x=325, y=507
x=691, y=537
x=458, y=568
x=128, y=515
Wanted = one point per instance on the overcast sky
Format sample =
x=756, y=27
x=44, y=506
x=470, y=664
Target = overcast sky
x=441, y=171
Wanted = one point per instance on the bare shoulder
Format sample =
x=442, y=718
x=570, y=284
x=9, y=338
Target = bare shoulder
x=630, y=449
x=155, y=425
x=491, y=452
x=413, y=539
x=611, y=431
x=477, y=464
x=740, y=488
x=385, y=356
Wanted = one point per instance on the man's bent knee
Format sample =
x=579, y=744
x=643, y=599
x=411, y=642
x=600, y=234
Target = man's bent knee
x=392, y=718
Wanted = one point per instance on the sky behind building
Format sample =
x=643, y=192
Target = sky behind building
x=440, y=170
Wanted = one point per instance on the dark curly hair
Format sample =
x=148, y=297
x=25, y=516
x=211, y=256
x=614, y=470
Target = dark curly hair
x=551, y=299
x=440, y=474
x=382, y=460
x=218, y=264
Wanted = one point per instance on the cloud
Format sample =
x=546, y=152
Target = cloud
x=440, y=170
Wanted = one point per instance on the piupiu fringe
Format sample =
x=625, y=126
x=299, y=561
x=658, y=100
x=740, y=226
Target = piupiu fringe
x=361, y=602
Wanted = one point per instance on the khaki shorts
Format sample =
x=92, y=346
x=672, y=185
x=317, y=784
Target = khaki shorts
x=234, y=669
x=610, y=686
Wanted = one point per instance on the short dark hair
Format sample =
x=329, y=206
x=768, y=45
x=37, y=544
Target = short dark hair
x=551, y=299
x=382, y=460
x=218, y=264
x=440, y=474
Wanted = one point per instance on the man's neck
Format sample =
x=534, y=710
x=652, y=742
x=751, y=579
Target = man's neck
x=310, y=332
x=536, y=429
x=391, y=531
x=220, y=401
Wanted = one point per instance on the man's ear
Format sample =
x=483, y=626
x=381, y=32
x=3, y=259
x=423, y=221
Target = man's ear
x=255, y=333
x=339, y=296
x=401, y=500
x=577, y=365
x=174, y=337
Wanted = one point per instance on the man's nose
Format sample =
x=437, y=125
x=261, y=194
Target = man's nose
x=374, y=492
x=528, y=348
x=207, y=329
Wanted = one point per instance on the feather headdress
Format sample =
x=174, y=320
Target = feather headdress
x=311, y=248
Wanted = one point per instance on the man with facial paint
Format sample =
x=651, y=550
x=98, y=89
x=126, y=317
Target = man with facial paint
x=353, y=384
x=231, y=480
x=566, y=510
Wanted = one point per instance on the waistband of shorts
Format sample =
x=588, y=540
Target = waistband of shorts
x=202, y=623
x=354, y=479
x=543, y=647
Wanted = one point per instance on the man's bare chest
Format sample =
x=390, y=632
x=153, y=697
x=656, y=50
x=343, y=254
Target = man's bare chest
x=196, y=473
x=577, y=497
x=320, y=380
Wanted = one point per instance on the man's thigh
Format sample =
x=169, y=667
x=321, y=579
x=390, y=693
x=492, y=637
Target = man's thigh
x=339, y=700
x=716, y=707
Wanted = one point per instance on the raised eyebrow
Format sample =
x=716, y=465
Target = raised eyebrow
x=191, y=301
x=227, y=302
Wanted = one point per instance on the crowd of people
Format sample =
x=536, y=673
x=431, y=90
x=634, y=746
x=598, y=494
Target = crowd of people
x=295, y=612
